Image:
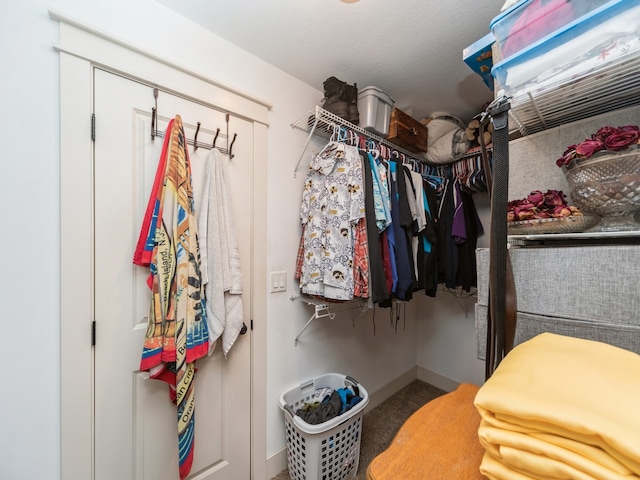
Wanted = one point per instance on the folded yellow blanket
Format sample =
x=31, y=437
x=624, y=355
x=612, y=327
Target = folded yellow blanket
x=559, y=407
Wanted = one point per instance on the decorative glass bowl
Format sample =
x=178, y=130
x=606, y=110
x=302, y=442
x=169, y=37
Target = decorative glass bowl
x=607, y=184
x=535, y=226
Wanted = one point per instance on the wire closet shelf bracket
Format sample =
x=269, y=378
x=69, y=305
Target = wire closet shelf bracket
x=325, y=309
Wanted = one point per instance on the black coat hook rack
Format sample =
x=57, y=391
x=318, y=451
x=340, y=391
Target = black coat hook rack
x=193, y=142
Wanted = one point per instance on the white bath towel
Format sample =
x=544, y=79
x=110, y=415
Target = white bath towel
x=219, y=253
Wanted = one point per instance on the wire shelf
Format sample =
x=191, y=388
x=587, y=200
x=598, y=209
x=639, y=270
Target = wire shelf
x=325, y=124
x=593, y=92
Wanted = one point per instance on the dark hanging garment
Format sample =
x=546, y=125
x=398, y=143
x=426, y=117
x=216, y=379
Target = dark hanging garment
x=429, y=241
x=431, y=230
x=401, y=224
x=467, y=271
x=448, y=252
x=377, y=287
x=386, y=262
x=413, y=230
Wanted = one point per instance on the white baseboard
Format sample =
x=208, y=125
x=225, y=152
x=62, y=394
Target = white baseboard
x=391, y=388
x=437, y=380
x=277, y=462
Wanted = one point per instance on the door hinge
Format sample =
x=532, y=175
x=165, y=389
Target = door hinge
x=93, y=333
x=93, y=127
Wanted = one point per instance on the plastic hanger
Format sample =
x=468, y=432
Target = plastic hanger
x=373, y=149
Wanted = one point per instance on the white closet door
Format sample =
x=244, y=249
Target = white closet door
x=135, y=421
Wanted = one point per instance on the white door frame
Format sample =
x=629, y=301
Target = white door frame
x=82, y=48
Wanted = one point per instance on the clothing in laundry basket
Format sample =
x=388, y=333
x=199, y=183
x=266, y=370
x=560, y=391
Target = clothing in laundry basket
x=334, y=403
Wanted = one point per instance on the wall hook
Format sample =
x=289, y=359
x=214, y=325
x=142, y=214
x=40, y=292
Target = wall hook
x=195, y=138
x=154, y=113
x=215, y=138
x=231, y=146
x=153, y=123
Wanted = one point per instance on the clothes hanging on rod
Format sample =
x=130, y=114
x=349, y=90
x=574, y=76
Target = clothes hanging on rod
x=333, y=204
x=427, y=261
x=398, y=246
x=458, y=229
x=329, y=125
x=400, y=233
x=429, y=240
x=376, y=222
x=469, y=170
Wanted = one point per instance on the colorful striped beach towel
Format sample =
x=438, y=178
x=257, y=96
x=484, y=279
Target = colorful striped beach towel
x=177, y=332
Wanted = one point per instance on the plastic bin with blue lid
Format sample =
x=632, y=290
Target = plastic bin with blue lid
x=328, y=450
x=479, y=57
x=529, y=20
x=607, y=34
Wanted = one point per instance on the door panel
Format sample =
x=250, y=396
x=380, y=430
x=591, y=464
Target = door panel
x=135, y=421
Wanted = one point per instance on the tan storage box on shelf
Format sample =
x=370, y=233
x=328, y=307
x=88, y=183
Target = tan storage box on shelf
x=407, y=132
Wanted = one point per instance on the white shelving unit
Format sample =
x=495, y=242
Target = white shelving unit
x=589, y=93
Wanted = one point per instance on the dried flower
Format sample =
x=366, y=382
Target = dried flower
x=602, y=134
x=606, y=138
x=588, y=148
x=621, y=140
x=561, y=211
x=551, y=204
x=554, y=198
x=536, y=197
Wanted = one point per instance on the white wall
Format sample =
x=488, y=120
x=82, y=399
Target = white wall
x=447, y=343
x=29, y=202
x=532, y=158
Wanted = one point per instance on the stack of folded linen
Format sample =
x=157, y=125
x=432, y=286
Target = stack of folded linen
x=561, y=408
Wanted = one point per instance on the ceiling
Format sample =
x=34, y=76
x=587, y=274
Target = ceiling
x=411, y=49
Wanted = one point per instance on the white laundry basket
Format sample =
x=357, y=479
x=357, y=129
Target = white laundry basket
x=329, y=450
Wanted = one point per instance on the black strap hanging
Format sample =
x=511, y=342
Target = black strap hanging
x=501, y=316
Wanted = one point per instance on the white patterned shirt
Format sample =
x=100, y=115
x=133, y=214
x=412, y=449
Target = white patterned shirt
x=332, y=204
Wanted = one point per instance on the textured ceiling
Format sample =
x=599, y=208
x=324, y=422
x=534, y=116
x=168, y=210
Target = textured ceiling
x=412, y=49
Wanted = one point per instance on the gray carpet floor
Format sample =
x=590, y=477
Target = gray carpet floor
x=381, y=424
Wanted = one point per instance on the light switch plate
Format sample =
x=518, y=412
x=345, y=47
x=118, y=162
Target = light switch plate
x=278, y=282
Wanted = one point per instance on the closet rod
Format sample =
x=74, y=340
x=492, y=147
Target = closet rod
x=325, y=123
x=475, y=152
